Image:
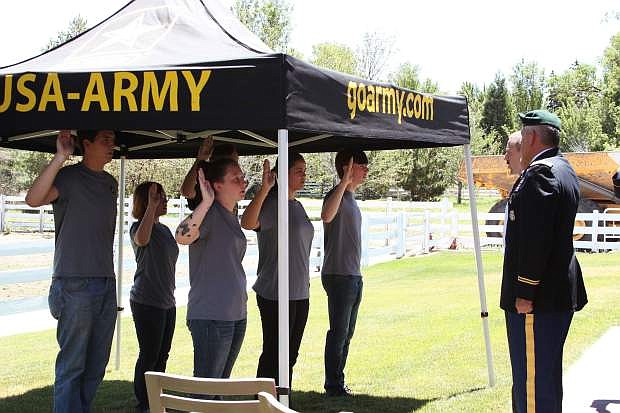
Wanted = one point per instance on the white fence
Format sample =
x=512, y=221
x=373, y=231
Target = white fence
x=389, y=229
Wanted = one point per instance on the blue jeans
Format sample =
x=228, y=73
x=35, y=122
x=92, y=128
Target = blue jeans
x=344, y=295
x=86, y=312
x=216, y=346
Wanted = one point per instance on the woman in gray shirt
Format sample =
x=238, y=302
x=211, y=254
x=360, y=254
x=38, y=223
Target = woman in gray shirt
x=262, y=216
x=217, y=302
x=152, y=294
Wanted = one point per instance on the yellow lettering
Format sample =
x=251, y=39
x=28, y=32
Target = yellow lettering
x=390, y=96
x=95, y=93
x=121, y=92
x=409, y=104
x=351, y=98
x=379, y=91
x=370, y=99
x=194, y=89
x=417, y=106
x=400, y=97
x=151, y=88
x=8, y=86
x=361, y=98
x=427, y=108
x=22, y=88
x=51, y=93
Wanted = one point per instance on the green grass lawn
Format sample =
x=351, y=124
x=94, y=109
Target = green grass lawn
x=418, y=344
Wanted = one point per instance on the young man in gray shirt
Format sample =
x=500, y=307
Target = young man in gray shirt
x=83, y=292
x=341, y=276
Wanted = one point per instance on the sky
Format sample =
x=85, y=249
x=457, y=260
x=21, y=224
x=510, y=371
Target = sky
x=451, y=41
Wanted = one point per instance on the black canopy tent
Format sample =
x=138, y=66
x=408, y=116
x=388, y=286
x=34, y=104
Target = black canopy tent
x=164, y=74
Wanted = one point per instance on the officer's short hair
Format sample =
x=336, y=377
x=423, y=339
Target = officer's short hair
x=548, y=135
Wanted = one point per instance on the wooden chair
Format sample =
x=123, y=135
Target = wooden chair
x=159, y=386
x=270, y=404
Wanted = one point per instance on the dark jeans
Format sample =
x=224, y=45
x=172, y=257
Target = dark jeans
x=298, y=316
x=85, y=308
x=216, y=346
x=536, y=344
x=154, y=329
x=344, y=295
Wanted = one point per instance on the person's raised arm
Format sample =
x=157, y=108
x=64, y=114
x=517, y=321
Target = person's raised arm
x=43, y=191
x=143, y=233
x=331, y=204
x=188, y=187
x=249, y=219
x=188, y=231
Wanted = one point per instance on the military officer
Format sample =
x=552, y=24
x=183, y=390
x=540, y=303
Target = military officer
x=542, y=284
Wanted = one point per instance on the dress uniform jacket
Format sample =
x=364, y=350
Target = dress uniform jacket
x=539, y=259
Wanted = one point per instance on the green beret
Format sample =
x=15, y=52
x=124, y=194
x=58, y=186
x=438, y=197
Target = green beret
x=540, y=117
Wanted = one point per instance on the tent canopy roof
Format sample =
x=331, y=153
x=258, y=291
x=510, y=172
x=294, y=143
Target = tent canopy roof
x=165, y=73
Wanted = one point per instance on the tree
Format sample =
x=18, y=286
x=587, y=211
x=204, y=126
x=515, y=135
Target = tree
x=578, y=85
x=76, y=26
x=581, y=128
x=270, y=20
x=334, y=56
x=374, y=54
x=427, y=172
x=528, y=85
x=497, y=114
x=611, y=91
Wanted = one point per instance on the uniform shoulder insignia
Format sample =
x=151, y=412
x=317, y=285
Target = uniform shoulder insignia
x=544, y=162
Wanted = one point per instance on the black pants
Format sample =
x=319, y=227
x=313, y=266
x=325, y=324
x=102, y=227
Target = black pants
x=298, y=316
x=154, y=328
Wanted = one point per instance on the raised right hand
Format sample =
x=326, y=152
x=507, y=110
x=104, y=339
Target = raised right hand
x=206, y=189
x=154, y=196
x=205, y=150
x=65, y=144
x=269, y=177
x=347, y=173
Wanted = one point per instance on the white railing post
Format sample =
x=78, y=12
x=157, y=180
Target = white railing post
x=454, y=224
x=182, y=206
x=402, y=235
x=2, y=214
x=365, y=240
x=426, y=245
x=595, y=219
x=41, y=212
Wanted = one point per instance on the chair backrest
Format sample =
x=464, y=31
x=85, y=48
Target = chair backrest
x=159, y=386
x=270, y=404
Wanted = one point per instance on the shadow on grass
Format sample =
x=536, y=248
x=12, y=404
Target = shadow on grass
x=116, y=396
x=112, y=396
x=313, y=402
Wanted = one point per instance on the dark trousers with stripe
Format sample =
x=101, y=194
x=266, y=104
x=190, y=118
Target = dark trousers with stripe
x=536, y=343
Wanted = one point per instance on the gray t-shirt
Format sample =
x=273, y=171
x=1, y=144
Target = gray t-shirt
x=300, y=235
x=216, y=277
x=153, y=282
x=342, y=238
x=84, y=217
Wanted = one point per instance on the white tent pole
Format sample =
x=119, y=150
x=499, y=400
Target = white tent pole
x=481, y=288
x=283, y=327
x=119, y=263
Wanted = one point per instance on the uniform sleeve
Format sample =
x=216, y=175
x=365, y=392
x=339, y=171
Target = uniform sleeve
x=537, y=212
